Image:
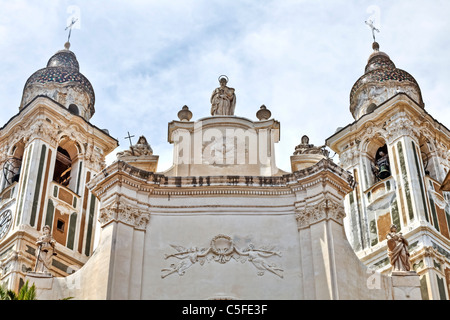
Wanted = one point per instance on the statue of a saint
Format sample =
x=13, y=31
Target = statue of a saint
x=141, y=148
x=398, y=250
x=223, y=99
x=306, y=148
x=45, y=251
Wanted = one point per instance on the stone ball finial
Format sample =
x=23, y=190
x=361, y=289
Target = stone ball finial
x=263, y=113
x=185, y=114
x=376, y=46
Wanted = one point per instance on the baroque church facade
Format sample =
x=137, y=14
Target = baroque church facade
x=224, y=222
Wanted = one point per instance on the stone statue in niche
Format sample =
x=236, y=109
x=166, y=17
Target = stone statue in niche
x=141, y=148
x=398, y=250
x=45, y=251
x=223, y=99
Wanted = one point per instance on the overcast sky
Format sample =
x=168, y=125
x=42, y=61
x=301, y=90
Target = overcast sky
x=146, y=59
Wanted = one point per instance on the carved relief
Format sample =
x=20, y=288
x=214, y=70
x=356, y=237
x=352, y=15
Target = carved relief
x=324, y=210
x=221, y=250
x=94, y=157
x=39, y=129
x=122, y=212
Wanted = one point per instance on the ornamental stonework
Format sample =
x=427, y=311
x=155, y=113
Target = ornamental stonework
x=125, y=213
x=221, y=250
x=401, y=125
x=324, y=210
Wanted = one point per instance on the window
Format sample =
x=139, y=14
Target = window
x=60, y=225
x=73, y=109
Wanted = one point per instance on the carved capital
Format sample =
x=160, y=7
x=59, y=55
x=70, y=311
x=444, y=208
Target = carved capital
x=125, y=213
x=40, y=130
x=94, y=158
x=401, y=126
x=324, y=210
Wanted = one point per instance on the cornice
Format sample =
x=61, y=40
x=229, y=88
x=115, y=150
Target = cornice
x=324, y=172
x=42, y=108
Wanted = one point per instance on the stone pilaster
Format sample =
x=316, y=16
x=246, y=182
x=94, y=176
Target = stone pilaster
x=128, y=223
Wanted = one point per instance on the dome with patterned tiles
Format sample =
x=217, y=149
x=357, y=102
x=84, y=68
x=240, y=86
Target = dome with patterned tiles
x=62, y=81
x=381, y=81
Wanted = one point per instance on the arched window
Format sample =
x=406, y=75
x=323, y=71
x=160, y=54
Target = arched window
x=371, y=107
x=13, y=164
x=73, y=109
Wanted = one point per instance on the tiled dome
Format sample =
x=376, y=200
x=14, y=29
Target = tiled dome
x=381, y=81
x=62, y=81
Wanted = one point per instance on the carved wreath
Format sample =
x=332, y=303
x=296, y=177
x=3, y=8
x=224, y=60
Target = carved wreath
x=221, y=250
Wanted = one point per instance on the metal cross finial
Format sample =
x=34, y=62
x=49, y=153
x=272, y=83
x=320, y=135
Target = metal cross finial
x=131, y=145
x=70, y=28
x=129, y=138
x=370, y=24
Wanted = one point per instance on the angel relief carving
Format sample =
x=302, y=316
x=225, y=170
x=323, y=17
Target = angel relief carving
x=221, y=250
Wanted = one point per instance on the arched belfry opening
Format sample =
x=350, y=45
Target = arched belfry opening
x=13, y=165
x=428, y=157
x=377, y=164
x=381, y=167
x=66, y=163
x=63, y=167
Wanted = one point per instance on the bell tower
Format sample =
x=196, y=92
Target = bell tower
x=49, y=152
x=398, y=155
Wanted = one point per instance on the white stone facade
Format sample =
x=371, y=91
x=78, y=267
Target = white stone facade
x=223, y=237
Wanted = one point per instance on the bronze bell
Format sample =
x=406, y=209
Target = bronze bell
x=384, y=171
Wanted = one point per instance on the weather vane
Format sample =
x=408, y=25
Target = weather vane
x=70, y=28
x=370, y=24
